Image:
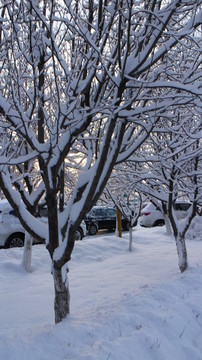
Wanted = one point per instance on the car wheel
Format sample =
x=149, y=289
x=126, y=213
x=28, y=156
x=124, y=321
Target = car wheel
x=15, y=240
x=92, y=229
x=78, y=235
x=159, y=223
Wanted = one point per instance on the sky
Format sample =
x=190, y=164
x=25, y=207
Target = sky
x=124, y=305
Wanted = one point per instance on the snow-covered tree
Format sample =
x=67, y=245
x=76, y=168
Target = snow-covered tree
x=81, y=80
x=122, y=191
x=168, y=168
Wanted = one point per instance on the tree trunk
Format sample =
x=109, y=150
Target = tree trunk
x=118, y=223
x=62, y=295
x=182, y=252
x=130, y=238
x=27, y=253
x=168, y=226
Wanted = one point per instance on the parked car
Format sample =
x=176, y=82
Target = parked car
x=151, y=215
x=103, y=217
x=181, y=208
x=12, y=233
x=81, y=231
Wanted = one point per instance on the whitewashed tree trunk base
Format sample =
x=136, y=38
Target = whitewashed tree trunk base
x=182, y=252
x=27, y=253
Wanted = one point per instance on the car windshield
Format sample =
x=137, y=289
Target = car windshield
x=182, y=206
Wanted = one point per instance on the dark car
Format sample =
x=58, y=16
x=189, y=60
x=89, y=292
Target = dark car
x=102, y=217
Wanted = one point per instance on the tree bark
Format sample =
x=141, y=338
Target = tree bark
x=118, y=223
x=62, y=295
x=27, y=253
x=168, y=226
x=182, y=252
x=130, y=238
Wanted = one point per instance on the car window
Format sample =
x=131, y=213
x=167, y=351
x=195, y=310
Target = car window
x=95, y=212
x=12, y=212
x=177, y=207
x=182, y=206
x=111, y=212
x=100, y=212
x=186, y=206
x=91, y=213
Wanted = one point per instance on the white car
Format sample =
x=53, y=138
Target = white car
x=152, y=215
x=12, y=233
x=181, y=208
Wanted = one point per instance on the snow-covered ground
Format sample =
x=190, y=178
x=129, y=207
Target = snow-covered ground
x=124, y=306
